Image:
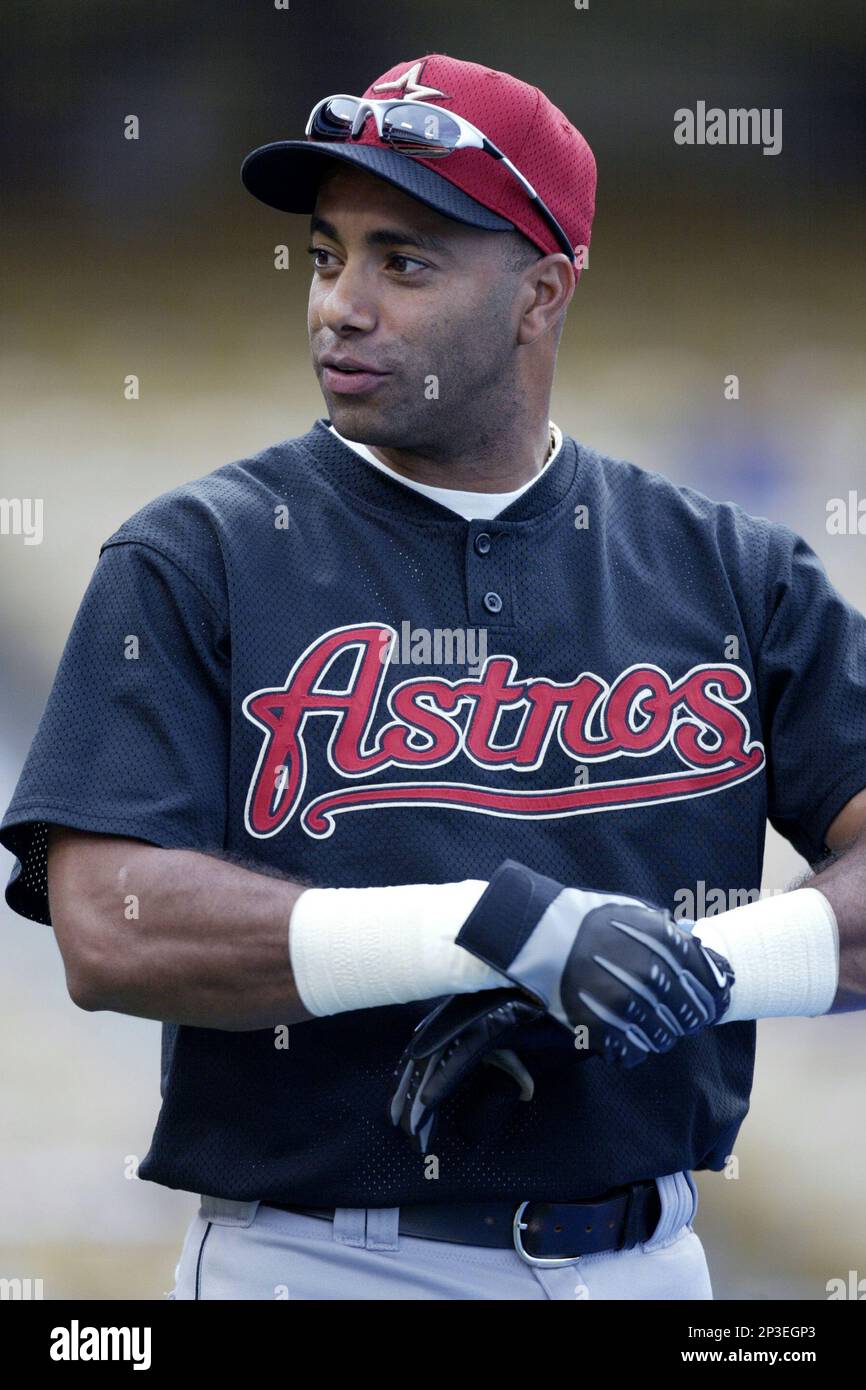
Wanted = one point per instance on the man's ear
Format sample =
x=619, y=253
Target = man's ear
x=549, y=284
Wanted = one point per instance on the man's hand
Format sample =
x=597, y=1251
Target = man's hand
x=460, y=1033
x=622, y=975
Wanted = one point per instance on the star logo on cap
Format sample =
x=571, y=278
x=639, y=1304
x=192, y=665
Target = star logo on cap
x=409, y=84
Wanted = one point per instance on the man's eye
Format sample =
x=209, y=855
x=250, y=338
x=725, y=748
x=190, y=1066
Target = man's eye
x=403, y=265
x=407, y=261
x=315, y=251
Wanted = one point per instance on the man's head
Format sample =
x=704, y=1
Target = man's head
x=451, y=210
x=462, y=323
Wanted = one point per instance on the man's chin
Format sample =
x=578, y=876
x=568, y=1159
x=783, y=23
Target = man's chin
x=361, y=419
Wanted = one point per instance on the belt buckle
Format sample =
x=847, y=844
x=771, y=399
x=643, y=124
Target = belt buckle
x=519, y=1225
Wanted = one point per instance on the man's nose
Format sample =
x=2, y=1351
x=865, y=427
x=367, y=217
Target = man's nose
x=348, y=301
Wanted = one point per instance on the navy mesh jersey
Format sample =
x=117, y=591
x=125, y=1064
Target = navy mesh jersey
x=662, y=674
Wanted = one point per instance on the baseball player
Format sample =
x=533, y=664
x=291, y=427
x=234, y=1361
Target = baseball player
x=375, y=762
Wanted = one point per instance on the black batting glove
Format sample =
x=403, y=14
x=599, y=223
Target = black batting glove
x=620, y=974
x=464, y=1031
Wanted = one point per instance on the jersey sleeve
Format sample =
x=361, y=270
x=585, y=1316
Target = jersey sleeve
x=812, y=691
x=134, y=740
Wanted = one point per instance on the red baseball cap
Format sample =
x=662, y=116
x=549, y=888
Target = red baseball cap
x=467, y=185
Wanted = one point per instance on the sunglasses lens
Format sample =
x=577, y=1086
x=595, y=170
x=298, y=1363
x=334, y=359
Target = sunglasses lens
x=415, y=130
x=334, y=119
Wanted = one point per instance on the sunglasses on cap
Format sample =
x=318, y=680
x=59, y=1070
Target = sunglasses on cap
x=416, y=128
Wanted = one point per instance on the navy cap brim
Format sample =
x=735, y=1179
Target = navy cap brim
x=286, y=175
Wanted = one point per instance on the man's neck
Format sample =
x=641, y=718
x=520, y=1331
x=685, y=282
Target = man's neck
x=485, y=465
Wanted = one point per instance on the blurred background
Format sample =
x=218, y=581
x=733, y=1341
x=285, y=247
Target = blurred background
x=148, y=257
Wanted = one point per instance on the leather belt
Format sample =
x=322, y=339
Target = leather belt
x=547, y=1233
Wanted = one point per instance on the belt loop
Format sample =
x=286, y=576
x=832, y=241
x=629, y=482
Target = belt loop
x=350, y=1226
x=695, y=1199
x=678, y=1206
x=682, y=1213
x=383, y=1226
x=224, y=1212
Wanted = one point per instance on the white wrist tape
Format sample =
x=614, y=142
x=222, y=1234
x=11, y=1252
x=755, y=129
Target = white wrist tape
x=784, y=952
x=359, y=948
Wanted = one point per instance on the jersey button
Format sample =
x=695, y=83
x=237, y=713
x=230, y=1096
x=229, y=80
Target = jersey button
x=493, y=603
x=482, y=543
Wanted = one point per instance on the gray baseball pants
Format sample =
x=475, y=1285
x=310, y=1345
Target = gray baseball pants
x=246, y=1250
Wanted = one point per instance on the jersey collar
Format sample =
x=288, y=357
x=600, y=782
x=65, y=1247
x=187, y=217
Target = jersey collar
x=377, y=489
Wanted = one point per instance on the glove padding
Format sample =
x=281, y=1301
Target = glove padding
x=462, y=1032
x=636, y=981
x=621, y=971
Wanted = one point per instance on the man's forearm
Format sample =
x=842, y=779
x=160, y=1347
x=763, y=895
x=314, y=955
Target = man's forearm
x=843, y=883
x=172, y=934
x=784, y=954
x=191, y=938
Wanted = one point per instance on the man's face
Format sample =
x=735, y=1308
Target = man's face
x=422, y=300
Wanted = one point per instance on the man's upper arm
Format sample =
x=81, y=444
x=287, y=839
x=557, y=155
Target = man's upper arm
x=83, y=870
x=811, y=673
x=849, y=822
x=79, y=863
x=134, y=740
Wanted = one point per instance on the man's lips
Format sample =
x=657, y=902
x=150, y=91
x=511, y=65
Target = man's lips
x=350, y=380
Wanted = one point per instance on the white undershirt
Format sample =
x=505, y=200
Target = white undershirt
x=470, y=505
